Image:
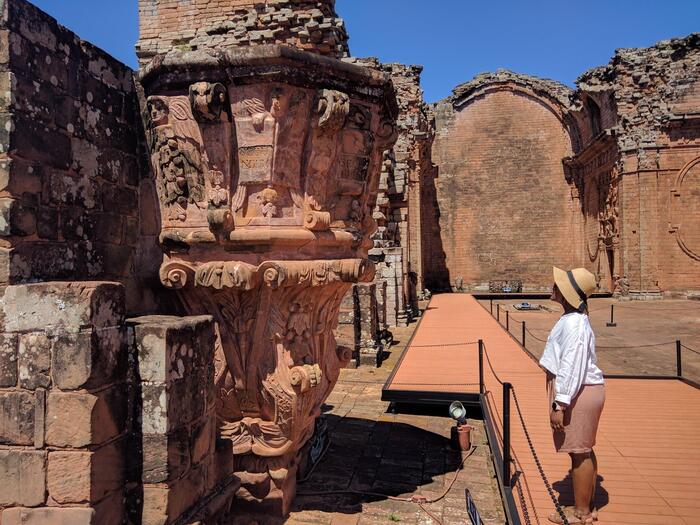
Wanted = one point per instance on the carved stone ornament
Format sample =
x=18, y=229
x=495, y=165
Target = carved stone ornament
x=266, y=177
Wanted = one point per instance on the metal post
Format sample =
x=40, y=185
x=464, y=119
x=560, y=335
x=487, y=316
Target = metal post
x=498, y=313
x=679, y=364
x=523, y=334
x=482, y=389
x=612, y=322
x=507, y=321
x=507, y=387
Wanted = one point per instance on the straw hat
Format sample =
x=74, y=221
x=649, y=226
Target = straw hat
x=575, y=285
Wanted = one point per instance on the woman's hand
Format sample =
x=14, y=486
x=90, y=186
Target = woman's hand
x=556, y=420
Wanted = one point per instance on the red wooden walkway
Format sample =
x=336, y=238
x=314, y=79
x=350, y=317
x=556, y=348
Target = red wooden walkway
x=648, y=441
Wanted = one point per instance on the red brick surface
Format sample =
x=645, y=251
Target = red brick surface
x=502, y=195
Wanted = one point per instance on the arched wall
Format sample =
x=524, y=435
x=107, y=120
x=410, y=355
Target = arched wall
x=504, y=205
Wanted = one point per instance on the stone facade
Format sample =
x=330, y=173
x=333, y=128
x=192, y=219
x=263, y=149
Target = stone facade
x=494, y=176
x=615, y=161
x=637, y=173
x=398, y=242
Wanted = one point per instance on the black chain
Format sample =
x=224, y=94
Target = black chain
x=547, y=485
x=445, y=344
x=488, y=360
x=436, y=384
x=691, y=349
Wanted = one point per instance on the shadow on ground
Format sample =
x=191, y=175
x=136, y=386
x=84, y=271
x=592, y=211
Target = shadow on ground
x=566, y=492
x=385, y=458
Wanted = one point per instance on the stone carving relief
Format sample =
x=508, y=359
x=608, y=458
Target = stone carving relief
x=266, y=188
x=608, y=210
x=685, y=198
x=176, y=155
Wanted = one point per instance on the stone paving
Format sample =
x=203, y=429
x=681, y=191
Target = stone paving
x=624, y=349
x=393, y=454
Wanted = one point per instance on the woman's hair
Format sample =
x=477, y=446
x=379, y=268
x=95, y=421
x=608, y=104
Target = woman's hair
x=583, y=307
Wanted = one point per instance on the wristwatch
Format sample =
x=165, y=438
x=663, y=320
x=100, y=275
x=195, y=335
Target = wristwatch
x=556, y=406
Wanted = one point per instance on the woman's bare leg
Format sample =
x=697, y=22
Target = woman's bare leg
x=583, y=474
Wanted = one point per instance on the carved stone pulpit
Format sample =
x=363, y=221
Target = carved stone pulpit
x=266, y=163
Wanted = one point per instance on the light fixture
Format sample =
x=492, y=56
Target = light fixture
x=458, y=413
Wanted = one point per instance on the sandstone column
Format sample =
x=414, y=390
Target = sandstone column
x=266, y=161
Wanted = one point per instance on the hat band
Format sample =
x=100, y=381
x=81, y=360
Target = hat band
x=577, y=289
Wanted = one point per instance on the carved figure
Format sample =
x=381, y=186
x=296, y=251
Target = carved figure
x=208, y=100
x=268, y=198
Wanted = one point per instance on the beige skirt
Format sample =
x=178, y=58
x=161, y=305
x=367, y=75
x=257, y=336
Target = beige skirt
x=581, y=418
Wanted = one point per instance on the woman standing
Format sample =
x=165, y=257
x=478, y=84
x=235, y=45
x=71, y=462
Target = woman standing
x=575, y=388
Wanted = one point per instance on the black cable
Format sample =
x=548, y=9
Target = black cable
x=631, y=347
x=691, y=349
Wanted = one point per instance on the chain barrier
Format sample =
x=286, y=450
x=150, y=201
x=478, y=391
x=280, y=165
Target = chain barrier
x=445, y=344
x=435, y=384
x=547, y=484
x=540, y=469
x=636, y=346
x=691, y=349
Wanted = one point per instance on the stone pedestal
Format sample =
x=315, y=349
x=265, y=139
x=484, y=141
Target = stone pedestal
x=367, y=323
x=266, y=163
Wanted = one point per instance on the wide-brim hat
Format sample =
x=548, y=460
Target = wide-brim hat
x=575, y=285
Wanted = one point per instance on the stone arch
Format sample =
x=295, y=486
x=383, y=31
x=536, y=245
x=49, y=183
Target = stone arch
x=503, y=199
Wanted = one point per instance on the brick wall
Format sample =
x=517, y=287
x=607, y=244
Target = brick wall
x=311, y=25
x=504, y=205
x=654, y=93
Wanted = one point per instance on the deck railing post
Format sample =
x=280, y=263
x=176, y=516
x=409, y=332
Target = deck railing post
x=679, y=363
x=491, y=305
x=612, y=322
x=523, y=334
x=498, y=313
x=481, y=367
x=507, y=387
x=507, y=321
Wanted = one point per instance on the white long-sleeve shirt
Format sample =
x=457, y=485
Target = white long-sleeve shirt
x=570, y=355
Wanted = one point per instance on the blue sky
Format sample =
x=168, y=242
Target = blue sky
x=453, y=39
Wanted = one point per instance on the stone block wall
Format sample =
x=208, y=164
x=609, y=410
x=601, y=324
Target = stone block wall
x=69, y=156
x=640, y=181
x=175, y=423
x=102, y=419
x=311, y=25
x=63, y=404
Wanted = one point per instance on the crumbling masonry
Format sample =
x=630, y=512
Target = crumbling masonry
x=178, y=244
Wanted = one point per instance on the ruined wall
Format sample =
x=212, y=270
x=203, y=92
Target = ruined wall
x=311, y=25
x=69, y=169
x=504, y=204
x=648, y=203
x=398, y=243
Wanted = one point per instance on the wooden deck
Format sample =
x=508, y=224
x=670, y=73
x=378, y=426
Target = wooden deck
x=648, y=441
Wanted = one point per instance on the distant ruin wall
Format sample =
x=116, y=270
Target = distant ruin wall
x=645, y=197
x=503, y=200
